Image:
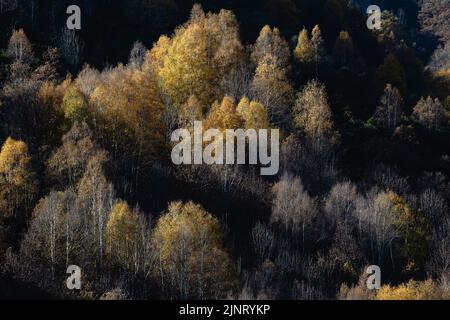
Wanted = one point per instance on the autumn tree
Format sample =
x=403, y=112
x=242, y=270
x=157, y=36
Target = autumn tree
x=67, y=164
x=51, y=124
x=189, y=112
x=271, y=43
x=318, y=46
x=87, y=80
x=123, y=235
x=224, y=115
x=154, y=58
x=74, y=105
x=413, y=290
x=429, y=113
x=19, y=47
x=198, y=56
x=313, y=116
x=253, y=113
x=127, y=111
x=433, y=17
x=18, y=184
x=272, y=88
x=304, y=51
x=94, y=202
x=189, y=257
x=415, y=232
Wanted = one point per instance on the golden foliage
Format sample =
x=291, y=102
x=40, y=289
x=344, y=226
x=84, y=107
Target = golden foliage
x=129, y=109
x=122, y=233
x=18, y=184
x=304, y=50
x=224, y=115
x=188, y=244
x=312, y=115
x=413, y=290
x=197, y=56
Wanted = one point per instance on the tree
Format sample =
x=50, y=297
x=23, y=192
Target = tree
x=48, y=71
x=292, y=207
x=19, y=47
x=317, y=44
x=87, y=80
x=378, y=222
x=304, y=51
x=224, y=115
x=94, y=202
x=391, y=72
x=433, y=17
x=68, y=163
x=70, y=46
x=388, y=220
x=199, y=55
x=343, y=49
x=254, y=114
x=74, y=105
x=137, y=55
x=122, y=235
x=271, y=87
x=313, y=116
x=47, y=245
x=389, y=111
x=415, y=231
x=187, y=69
x=8, y=5
x=189, y=112
x=440, y=60
x=154, y=58
x=263, y=241
x=413, y=290
x=340, y=203
x=128, y=116
x=18, y=184
x=390, y=33
x=429, y=113
x=190, y=259
x=271, y=43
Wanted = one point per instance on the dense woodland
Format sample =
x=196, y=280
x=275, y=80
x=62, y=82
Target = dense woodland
x=85, y=171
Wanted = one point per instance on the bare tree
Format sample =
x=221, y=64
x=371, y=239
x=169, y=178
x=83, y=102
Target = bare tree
x=8, y=5
x=137, y=55
x=341, y=201
x=292, y=206
x=389, y=111
x=263, y=241
x=70, y=46
x=376, y=220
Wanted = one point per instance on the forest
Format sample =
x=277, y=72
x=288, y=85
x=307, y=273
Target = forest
x=86, y=176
